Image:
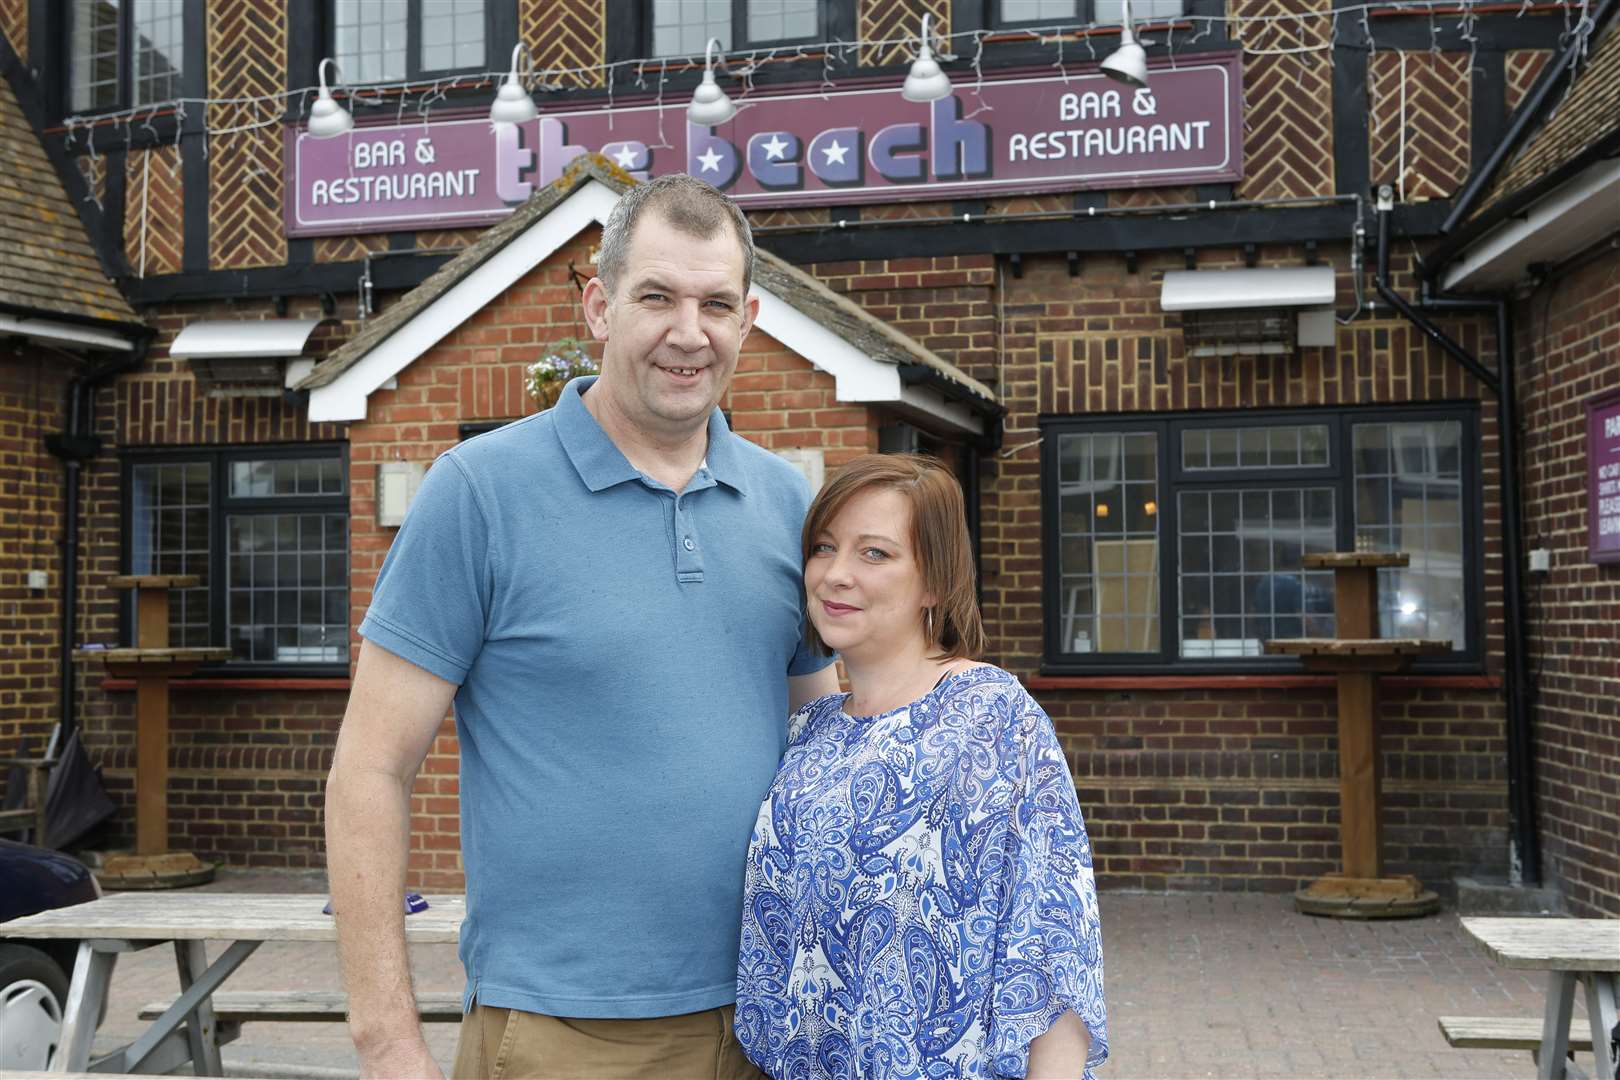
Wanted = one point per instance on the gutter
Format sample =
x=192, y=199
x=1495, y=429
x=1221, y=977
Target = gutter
x=1524, y=855
x=75, y=444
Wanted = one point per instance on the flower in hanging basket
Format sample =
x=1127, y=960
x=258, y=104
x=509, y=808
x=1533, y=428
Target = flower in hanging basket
x=563, y=360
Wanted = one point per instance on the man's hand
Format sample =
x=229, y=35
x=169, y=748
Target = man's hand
x=400, y=1059
x=395, y=710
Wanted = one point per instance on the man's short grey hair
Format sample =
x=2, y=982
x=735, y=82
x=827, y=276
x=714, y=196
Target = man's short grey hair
x=693, y=207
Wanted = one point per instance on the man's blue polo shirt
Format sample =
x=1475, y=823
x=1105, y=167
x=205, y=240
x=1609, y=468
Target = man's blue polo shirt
x=622, y=654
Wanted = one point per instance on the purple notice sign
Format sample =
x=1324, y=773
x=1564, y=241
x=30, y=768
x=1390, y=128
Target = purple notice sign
x=1015, y=134
x=1603, y=477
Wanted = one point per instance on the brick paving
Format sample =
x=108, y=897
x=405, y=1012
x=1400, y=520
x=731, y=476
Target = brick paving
x=1199, y=985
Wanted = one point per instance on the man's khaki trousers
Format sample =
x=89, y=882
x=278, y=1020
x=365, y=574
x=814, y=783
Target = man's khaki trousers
x=505, y=1044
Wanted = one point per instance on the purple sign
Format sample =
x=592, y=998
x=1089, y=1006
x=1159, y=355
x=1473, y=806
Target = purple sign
x=1603, y=477
x=1007, y=135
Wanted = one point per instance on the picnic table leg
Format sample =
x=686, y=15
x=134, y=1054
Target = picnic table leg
x=1600, y=1010
x=92, y=973
x=191, y=959
x=203, y=985
x=1555, y=1025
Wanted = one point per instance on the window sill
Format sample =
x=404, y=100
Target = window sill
x=116, y=685
x=1252, y=682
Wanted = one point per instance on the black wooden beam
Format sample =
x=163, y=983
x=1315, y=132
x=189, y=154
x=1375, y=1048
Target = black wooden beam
x=1350, y=120
x=338, y=278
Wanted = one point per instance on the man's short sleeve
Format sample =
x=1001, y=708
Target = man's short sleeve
x=433, y=593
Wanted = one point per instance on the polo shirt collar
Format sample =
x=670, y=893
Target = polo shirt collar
x=601, y=464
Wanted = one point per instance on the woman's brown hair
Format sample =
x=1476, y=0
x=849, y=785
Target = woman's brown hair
x=939, y=539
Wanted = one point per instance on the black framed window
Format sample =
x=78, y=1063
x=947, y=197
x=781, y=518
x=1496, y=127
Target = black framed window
x=385, y=41
x=123, y=53
x=684, y=27
x=1178, y=540
x=267, y=531
x=1004, y=13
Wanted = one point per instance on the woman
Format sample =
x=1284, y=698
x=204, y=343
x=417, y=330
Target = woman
x=919, y=899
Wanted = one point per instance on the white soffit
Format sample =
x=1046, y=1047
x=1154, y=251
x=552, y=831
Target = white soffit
x=63, y=333
x=857, y=376
x=1563, y=223
x=242, y=339
x=1213, y=290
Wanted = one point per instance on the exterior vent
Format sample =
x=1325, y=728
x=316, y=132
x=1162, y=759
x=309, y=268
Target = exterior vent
x=250, y=358
x=1240, y=332
x=1258, y=312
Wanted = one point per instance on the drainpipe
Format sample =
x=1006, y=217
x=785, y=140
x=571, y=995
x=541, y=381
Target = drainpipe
x=75, y=444
x=1524, y=857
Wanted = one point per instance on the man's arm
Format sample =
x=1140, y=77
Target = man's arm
x=803, y=688
x=395, y=710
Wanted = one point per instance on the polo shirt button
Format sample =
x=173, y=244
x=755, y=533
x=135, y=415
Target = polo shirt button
x=688, y=543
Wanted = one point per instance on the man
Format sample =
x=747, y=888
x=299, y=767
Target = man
x=610, y=594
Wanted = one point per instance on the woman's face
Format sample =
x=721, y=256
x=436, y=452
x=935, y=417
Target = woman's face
x=863, y=583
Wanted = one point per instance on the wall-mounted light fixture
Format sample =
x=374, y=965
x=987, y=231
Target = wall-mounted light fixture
x=710, y=105
x=326, y=117
x=925, y=81
x=512, y=104
x=1128, y=63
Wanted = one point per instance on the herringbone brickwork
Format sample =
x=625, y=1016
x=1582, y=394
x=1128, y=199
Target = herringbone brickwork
x=900, y=21
x=1150, y=196
x=154, y=224
x=1419, y=103
x=344, y=248
x=14, y=25
x=247, y=56
x=563, y=35
x=1288, y=100
x=1522, y=68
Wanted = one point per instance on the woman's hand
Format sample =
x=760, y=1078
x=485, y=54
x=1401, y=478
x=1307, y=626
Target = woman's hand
x=1060, y=1054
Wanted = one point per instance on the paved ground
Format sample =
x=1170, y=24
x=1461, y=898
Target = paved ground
x=1199, y=985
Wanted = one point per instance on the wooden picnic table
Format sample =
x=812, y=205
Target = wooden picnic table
x=1571, y=951
x=129, y=922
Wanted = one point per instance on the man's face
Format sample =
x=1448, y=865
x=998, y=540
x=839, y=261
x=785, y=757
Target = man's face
x=673, y=327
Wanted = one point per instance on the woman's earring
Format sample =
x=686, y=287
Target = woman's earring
x=929, y=618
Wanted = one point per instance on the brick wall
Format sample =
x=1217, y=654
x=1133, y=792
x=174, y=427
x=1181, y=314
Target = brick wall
x=1569, y=345
x=32, y=384
x=1207, y=788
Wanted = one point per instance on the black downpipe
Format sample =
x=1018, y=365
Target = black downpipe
x=75, y=444
x=1525, y=856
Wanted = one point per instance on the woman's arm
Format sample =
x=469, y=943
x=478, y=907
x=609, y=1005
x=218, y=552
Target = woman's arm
x=1060, y=1053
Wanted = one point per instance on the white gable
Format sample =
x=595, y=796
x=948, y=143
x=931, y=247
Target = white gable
x=858, y=378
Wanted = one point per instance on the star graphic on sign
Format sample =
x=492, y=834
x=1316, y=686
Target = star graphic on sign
x=775, y=148
x=835, y=153
x=626, y=157
x=710, y=160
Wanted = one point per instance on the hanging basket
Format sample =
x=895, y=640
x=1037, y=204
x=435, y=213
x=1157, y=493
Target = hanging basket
x=562, y=360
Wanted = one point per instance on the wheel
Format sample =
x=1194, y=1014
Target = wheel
x=32, y=990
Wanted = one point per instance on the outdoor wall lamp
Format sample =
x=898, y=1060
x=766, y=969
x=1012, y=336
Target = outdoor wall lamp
x=925, y=82
x=710, y=105
x=512, y=104
x=326, y=117
x=1128, y=63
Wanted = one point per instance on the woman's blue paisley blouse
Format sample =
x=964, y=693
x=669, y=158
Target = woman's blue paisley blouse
x=919, y=899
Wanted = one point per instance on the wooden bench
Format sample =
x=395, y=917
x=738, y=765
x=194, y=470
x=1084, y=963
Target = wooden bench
x=1502, y=1033
x=307, y=1006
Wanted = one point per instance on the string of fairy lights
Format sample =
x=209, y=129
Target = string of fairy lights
x=1304, y=35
